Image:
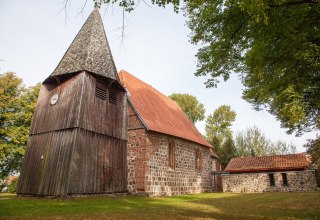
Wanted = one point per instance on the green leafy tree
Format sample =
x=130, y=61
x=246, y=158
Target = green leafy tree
x=218, y=124
x=252, y=142
x=273, y=45
x=190, y=105
x=313, y=148
x=219, y=134
x=226, y=152
x=16, y=109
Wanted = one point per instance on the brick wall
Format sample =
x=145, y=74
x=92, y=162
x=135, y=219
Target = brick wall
x=260, y=182
x=148, y=167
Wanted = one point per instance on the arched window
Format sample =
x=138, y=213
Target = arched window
x=172, y=155
x=198, y=158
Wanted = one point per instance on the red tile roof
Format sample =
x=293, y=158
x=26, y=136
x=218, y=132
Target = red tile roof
x=268, y=163
x=158, y=112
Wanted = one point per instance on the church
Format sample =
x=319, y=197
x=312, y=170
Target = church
x=95, y=131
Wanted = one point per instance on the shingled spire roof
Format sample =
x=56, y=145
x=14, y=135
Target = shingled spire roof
x=89, y=51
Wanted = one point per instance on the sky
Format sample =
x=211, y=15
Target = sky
x=155, y=48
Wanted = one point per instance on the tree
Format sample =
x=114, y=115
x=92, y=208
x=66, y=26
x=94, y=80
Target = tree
x=16, y=109
x=219, y=134
x=252, y=142
x=218, y=125
x=226, y=152
x=273, y=45
x=313, y=148
x=190, y=105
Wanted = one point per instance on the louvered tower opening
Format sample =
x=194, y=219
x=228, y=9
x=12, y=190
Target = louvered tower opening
x=101, y=90
x=113, y=94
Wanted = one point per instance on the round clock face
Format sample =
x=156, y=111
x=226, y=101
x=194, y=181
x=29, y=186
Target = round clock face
x=54, y=99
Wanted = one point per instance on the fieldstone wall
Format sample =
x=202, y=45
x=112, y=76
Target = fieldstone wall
x=148, y=165
x=260, y=182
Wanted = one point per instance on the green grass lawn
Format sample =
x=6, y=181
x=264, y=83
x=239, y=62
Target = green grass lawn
x=200, y=206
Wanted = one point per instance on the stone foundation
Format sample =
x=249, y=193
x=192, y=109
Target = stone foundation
x=260, y=182
x=148, y=165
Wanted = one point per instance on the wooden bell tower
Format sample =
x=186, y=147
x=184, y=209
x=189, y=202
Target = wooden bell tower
x=78, y=137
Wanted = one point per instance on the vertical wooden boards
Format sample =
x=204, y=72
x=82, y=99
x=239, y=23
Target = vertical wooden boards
x=100, y=115
x=73, y=161
x=98, y=164
x=64, y=113
x=78, y=144
x=46, y=163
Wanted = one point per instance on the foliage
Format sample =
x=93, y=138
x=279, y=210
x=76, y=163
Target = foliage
x=129, y=5
x=218, y=125
x=252, y=142
x=199, y=206
x=219, y=134
x=12, y=187
x=226, y=152
x=190, y=105
x=273, y=45
x=16, y=109
x=313, y=148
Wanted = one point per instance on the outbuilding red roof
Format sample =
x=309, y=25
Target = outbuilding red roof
x=268, y=163
x=158, y=112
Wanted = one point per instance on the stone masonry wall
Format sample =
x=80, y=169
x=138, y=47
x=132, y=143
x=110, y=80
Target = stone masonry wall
x=148, y=165
x=259, y=182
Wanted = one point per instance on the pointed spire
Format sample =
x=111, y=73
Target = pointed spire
x=89, y=51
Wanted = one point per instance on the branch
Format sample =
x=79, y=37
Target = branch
x=240, y=27
x=64, y=8
x=295, y=3
x=82, y=9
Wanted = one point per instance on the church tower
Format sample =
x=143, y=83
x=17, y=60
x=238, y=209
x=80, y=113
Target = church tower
x=78, y=136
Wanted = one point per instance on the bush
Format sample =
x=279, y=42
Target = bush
x=12, y=188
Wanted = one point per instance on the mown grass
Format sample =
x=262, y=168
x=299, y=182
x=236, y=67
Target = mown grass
x=200, y=206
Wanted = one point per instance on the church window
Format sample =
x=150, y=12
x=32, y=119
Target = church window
x=198, y=160
x=172, y=154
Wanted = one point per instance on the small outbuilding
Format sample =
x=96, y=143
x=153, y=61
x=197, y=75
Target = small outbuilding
x=279, y=173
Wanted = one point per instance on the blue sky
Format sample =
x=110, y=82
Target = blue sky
x=156, y=49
